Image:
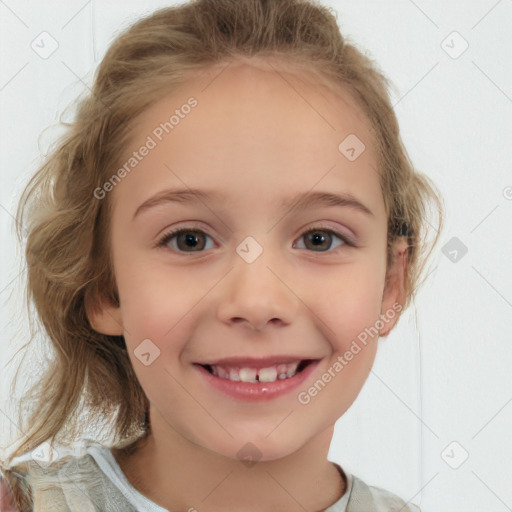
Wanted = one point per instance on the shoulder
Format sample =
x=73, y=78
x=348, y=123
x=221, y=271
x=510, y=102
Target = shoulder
x=55, y=485
x=367, y=498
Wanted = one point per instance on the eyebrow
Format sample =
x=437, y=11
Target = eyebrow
x=302, y=201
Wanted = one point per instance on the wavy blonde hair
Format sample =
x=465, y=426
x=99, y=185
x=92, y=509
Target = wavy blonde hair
x=67, y=247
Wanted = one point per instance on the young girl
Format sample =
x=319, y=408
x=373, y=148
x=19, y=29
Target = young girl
x=214, y=248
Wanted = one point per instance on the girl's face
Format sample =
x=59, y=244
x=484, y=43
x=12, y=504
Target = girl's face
x=249, y=277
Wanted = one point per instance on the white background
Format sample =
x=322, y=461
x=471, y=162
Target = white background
x=443, y=375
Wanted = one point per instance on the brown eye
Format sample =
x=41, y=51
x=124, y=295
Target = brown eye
x=321, y=240
x=318, y=239
x=186, y=240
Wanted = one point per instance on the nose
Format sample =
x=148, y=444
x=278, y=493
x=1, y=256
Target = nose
x=256, y=294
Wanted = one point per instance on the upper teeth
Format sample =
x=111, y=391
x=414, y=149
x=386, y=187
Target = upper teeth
x=245, y=374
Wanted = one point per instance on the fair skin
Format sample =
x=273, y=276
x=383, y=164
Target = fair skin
x=259, y=141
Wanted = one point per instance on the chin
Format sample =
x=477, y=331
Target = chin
x=258, y=448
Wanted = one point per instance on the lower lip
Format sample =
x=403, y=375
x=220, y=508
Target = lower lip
x=257, y=391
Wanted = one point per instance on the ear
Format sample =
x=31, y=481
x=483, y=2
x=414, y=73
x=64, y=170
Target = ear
x=104, y=316
x=394, y=291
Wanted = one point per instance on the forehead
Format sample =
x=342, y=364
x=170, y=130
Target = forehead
x=256, y=127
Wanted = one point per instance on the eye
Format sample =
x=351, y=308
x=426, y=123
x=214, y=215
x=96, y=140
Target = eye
x=320, y=238
x=185, y=239
x=194, y=240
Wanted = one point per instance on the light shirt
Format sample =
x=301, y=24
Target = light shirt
x=94, y=482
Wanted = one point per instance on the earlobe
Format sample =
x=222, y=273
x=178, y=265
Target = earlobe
x=104, y=318
x=394, y=292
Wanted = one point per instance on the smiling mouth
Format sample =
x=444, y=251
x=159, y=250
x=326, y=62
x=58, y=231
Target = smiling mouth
x=270, y=373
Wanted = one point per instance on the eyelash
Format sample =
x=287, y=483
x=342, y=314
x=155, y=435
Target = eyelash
x=167, y=237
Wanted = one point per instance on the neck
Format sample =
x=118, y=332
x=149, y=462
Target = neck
x=180, y=475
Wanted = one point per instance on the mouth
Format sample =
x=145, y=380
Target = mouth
x=251, y=372
x=257, y=380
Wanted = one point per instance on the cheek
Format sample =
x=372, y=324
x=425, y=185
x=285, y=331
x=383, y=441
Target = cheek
x=156, y=311
x=349, y=313
x=350, y=303
x=155, y=298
